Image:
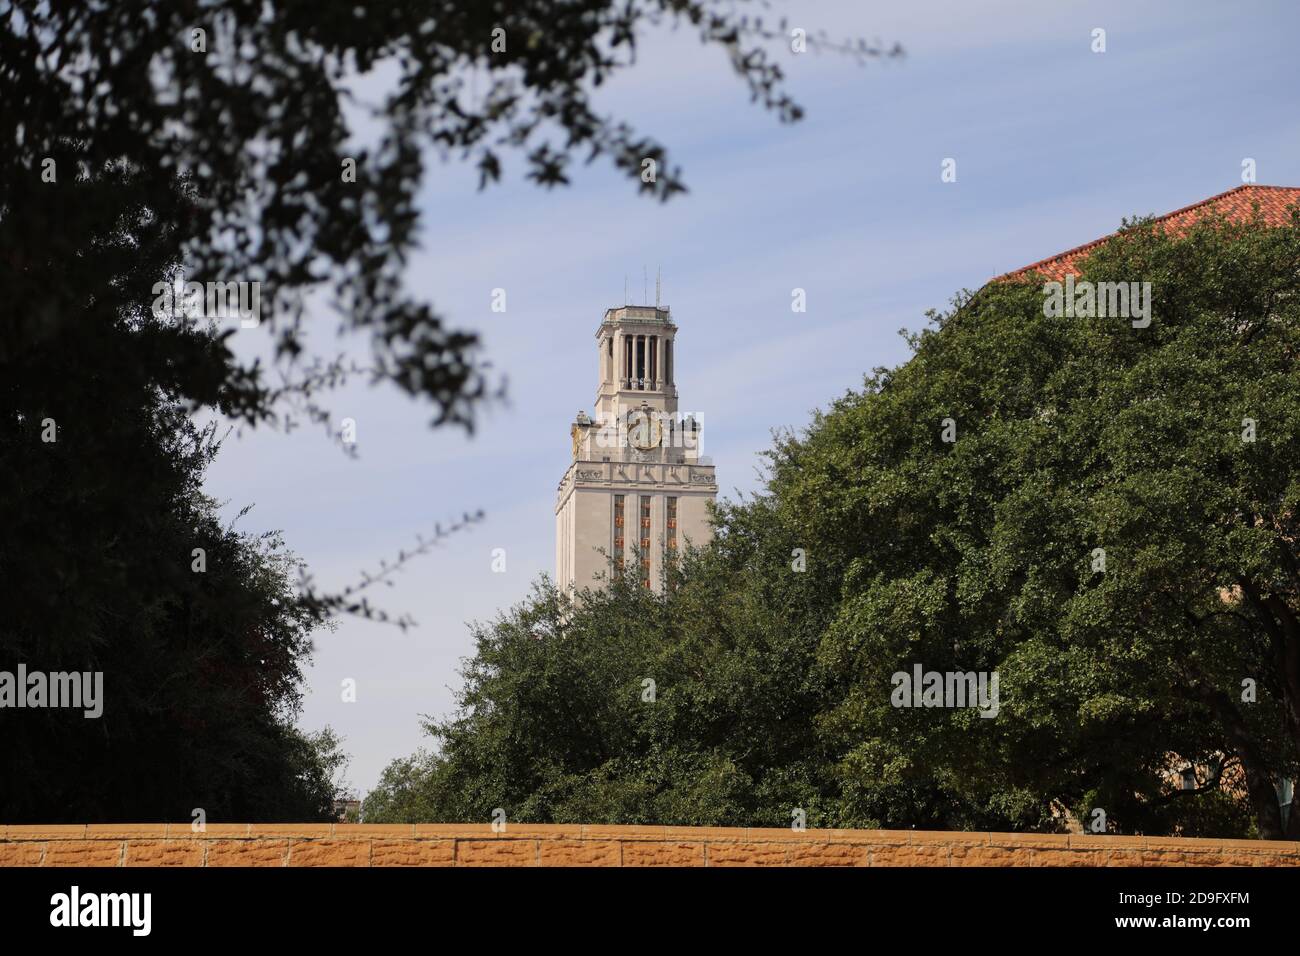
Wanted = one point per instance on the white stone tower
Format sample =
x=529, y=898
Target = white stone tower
x=636, y=486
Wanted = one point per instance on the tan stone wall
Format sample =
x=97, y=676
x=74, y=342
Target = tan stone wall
x=521, y=845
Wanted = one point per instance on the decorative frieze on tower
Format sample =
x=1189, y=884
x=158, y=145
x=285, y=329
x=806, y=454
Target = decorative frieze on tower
x=636, y=488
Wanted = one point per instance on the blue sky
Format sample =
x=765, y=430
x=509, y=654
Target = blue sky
x=1054, y=144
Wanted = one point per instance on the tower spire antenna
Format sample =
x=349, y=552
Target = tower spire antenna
x=659, y=286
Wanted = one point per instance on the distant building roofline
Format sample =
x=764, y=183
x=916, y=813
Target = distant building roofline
x=1237, y=204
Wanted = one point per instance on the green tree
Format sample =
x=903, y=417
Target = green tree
x=115, y=562
x=981, y=554
x=685, y=708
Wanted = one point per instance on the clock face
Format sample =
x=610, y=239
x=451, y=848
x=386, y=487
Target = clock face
x=644, y=433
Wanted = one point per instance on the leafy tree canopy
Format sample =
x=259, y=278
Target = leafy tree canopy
x=229, y=127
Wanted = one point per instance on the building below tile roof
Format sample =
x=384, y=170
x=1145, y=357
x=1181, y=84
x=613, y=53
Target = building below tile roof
x=1274, y=202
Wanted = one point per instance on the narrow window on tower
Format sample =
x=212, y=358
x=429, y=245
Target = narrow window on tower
x=618, y=534
x=668, y=362
x=670, y=536
x=645, y=541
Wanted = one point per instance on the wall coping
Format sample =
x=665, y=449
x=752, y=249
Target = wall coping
x=422, y=844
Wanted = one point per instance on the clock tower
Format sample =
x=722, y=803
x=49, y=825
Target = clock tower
x=636, y=487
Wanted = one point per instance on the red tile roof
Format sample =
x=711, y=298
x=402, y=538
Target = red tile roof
x=1274, y=202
